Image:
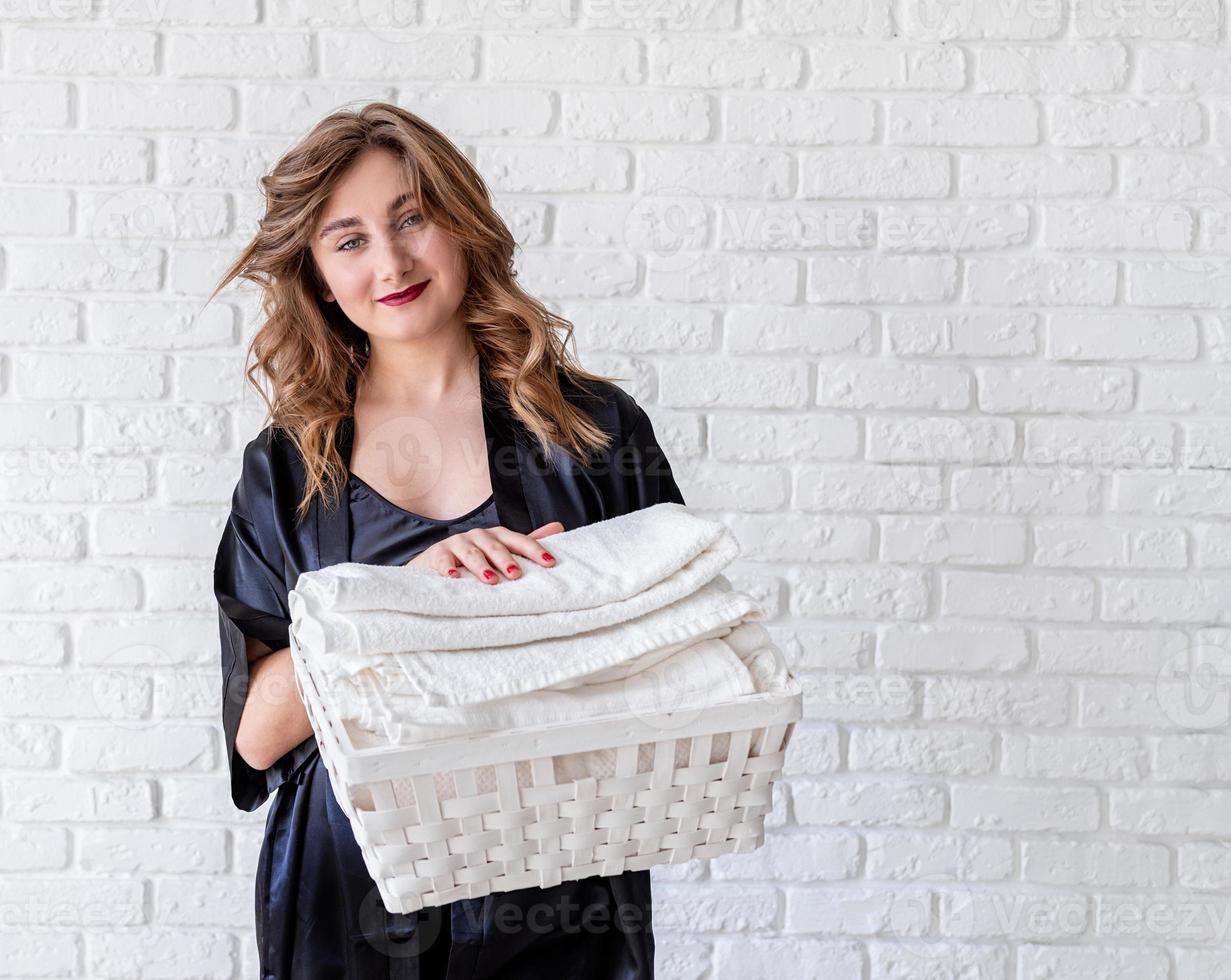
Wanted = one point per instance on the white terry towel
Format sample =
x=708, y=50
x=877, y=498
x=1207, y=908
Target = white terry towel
x=691, y=676
x=633, y=589
x=694, y=675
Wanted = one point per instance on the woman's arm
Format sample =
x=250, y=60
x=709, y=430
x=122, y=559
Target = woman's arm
x=274, y=719
x=251, y=588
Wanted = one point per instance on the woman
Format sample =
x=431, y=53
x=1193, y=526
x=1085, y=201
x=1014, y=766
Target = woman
x=412, y=379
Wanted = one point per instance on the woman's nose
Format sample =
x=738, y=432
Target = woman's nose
x=396, y=262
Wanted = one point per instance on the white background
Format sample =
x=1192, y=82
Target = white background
x=927, y=300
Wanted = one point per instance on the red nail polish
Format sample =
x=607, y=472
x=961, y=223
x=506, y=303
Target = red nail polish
x=453, y=572
x=488, y=573
x=547, y=556
x=511, y=569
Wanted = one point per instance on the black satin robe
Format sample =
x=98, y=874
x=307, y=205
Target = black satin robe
x=260, y=557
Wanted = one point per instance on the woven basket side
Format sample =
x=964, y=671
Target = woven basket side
x=665, y=802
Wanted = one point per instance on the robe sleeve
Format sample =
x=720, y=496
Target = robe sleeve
x=645, y=472
x=251, y=596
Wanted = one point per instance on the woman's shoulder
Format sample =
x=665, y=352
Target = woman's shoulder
x=613, y=408
x=265, y=451
x=641, y=472
x=270, y=460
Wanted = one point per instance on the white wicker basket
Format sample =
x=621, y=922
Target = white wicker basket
x=468, y=816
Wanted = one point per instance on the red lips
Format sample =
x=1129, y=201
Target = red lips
x=405, y=295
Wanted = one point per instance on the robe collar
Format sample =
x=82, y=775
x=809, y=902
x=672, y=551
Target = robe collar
x=506, y=445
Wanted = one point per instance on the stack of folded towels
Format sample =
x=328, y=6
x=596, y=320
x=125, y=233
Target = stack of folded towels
x=633, y=618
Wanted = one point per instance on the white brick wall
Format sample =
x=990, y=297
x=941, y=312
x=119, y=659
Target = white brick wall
x=928, y=300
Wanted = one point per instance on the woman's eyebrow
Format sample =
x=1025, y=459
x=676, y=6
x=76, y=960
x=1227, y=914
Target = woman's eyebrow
x=339, y=223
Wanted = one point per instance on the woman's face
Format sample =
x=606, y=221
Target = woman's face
x=372, y=241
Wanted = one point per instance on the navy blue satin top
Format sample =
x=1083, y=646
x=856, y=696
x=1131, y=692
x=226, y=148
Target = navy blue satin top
x=320, y=916
x=382, y=533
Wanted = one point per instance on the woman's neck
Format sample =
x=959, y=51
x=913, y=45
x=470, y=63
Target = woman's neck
x=413, y=377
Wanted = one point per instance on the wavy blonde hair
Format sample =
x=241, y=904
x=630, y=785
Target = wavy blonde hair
x=311, y=352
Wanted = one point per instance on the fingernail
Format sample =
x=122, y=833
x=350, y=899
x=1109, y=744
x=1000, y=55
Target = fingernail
x=488, y=573
x=511, y=569
x=453, y=573
x=547, y=556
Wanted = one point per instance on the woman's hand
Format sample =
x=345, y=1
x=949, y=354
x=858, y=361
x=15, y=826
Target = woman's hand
x=487, y=552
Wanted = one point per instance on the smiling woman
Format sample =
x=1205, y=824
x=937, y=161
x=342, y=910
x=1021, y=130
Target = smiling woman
x=369, y=203
x=388, y=254
x=412, y=379
x=403, y=279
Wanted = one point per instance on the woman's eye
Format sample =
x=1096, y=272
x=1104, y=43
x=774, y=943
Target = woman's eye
x=351, y=241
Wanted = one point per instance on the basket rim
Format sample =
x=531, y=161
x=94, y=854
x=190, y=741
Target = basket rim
x=358, y=765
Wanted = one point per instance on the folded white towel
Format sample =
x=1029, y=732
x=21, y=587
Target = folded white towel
x=698, y=673
x=635, y=619
x=622, y=589
x=608, y=560
x=689, y=675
